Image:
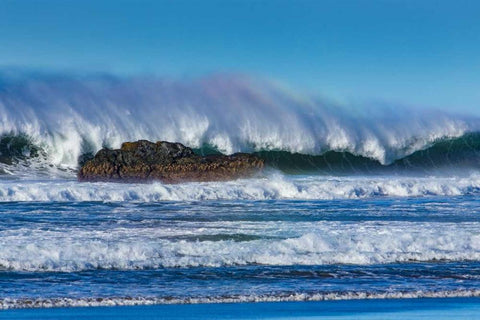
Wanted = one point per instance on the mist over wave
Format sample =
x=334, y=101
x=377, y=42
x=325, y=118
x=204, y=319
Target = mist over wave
x=59, y=118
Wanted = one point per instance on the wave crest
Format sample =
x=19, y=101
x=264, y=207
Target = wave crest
x=67, y=117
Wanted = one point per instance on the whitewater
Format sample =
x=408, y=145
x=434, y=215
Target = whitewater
x=359, y=200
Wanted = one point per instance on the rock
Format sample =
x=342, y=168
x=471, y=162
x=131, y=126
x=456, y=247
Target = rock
x=143, y=161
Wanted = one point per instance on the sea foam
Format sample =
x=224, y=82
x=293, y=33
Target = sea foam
x=270, y=187
x=270, y=243
x=10, y=303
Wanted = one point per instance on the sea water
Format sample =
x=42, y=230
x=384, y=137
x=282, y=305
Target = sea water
x=63, y=243
x=379, y=204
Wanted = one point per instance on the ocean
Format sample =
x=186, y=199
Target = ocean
x=379, y=205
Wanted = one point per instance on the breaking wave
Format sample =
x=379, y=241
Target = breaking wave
x=272, y=187
x=327, y=243
x=60, y=120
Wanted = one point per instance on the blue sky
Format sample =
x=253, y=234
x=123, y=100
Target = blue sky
x=414, y=52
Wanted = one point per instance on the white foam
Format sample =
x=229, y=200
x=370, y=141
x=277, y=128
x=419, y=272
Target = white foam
x=10, y=303
x=274, y=186
x=279, y=243
x=232, y=113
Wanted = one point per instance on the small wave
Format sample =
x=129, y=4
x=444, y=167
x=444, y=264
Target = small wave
x=325, y=243
x=11, y=303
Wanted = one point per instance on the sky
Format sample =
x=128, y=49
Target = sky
x=419, y=53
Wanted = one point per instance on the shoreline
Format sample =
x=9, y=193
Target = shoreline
x=440, y=308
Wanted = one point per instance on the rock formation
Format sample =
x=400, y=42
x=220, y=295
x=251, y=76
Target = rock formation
x=143, y=161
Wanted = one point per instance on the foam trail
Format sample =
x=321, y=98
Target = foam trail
x=68, y=116
x=8, y=303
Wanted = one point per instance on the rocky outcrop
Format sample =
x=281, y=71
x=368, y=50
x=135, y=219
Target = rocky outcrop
x=167, y=162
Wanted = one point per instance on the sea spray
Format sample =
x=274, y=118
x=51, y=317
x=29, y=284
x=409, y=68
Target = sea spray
x=68, y=116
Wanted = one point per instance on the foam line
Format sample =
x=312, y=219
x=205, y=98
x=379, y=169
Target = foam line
x=11, y=303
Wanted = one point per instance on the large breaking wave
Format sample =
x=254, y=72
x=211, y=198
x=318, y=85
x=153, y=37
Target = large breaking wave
x=61, y=119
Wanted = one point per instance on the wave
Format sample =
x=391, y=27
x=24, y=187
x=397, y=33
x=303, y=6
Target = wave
x=61, y=120
x=327, y=243
x=20, y=303
x=461, y=152
x=272, y=187
x=449, y=153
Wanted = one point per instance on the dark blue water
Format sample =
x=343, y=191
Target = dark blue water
x=132, y=252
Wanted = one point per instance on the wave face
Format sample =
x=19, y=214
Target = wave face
x=449, y=153
x=60, y=119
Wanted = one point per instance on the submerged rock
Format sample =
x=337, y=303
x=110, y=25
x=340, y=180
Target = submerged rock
x=167, y=162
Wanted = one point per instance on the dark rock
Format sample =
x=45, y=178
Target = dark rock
x=167, y=162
